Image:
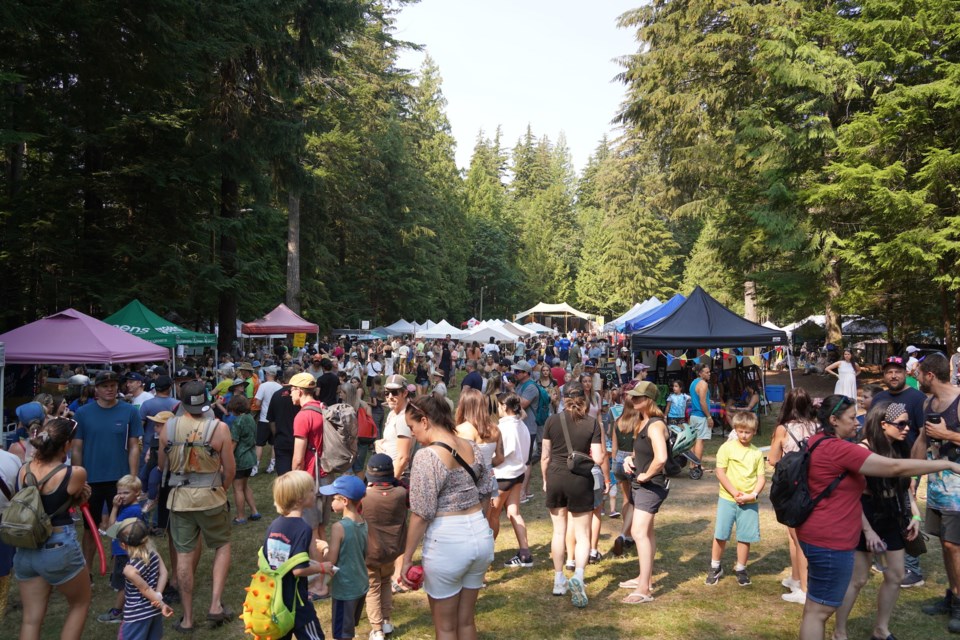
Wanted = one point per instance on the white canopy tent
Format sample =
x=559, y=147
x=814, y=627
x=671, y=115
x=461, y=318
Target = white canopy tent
x=510, y=328
x=559, y=310
x=400, y=327
x=537, y=328
x=484, y=331
x=636, y=310
x=441, y=329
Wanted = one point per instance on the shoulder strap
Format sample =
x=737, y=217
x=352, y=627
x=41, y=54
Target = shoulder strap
x=566, y=431
x=833, y=485
x=5, y=489
x=314, y=408
x=459, y=460
x=40, y=484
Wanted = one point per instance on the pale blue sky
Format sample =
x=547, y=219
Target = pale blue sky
x=512, y=62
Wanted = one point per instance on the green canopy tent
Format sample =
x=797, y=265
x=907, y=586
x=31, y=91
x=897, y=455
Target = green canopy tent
x=138, y=320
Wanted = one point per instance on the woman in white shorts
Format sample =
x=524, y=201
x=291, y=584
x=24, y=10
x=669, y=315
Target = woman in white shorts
x=448, y=481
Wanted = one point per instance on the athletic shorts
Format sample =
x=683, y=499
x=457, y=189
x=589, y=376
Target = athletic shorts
x=828, y=574
x=346, y=617
x=505, y=484
x=116, y=576
x=700, y=427
x=242, y=473
x=648, y=497
x=264, y=434
x=745, y=517
x=101, y=497
x=944, y=524
x=567, y=490
x=457, y=551
x=186, y=526
x=57, y=562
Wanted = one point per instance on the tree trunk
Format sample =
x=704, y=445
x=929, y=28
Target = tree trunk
x=228, y=266
x=750, y=300
x=945, y=308
x=293, y=251
x=832, y=278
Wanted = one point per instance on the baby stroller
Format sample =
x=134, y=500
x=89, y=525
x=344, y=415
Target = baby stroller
x=681, y=441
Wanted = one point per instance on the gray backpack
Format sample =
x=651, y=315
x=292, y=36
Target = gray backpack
x=25, y=523
x=339, y=437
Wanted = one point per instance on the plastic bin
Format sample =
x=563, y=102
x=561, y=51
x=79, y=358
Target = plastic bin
x=775, y=392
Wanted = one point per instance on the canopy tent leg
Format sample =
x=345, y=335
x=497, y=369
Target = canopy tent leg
x=790, y=366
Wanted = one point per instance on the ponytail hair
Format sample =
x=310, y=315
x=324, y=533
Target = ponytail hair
x=50, y=438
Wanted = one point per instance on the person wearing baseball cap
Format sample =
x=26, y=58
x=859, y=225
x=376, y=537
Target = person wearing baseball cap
x=347, y=550
x=161, y=402
x=107, y=444
x=526, y=388
x=397, y=439
x=201, y=466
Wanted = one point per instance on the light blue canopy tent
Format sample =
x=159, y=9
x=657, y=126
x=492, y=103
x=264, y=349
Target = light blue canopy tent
x=654, y=315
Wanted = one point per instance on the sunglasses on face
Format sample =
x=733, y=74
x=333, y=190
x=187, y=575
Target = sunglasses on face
x=394, y=392
x=900, y=424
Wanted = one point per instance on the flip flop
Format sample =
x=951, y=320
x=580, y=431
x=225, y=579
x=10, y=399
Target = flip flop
x=179, y=628
x=223, y=616
x=637, y=598
x=239, y=521
x=632, y=583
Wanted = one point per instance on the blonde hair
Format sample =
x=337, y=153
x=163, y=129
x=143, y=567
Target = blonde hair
x=744, y=420
x=141, y=552
x=131, y=482
x=290, y=489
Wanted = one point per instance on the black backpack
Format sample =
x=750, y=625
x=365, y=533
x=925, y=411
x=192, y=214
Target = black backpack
x=790, y=491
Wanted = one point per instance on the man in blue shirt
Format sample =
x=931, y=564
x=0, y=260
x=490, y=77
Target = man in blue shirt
x=563, y=345
x=473, y=377
x=107, y=444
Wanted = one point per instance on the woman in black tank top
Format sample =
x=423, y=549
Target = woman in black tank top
x=649, y=486
x=58, y=562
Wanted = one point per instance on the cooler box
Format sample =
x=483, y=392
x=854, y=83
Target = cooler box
x=775, y=392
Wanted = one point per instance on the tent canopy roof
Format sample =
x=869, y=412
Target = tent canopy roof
x=399, y=327
x=280, y=320
x=71, y=336
x=702, y=322
x=138, y=320
x=641, y=307
x=559, y=310
x=441, y=329
x=653, y=315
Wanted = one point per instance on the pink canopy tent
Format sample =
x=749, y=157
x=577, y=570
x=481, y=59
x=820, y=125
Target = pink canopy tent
x=71, y=336
x=280, y=320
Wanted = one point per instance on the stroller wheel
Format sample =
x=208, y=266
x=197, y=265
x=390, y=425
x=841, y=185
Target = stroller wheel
x=696, y=472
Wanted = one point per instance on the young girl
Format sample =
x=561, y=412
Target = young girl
x=677, y=404
x=509, y=472
x=423, y=376
x=243, y=431
x=145, y=578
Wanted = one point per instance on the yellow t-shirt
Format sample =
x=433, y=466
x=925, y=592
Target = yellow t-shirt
x=222, y=388
x=743, y=466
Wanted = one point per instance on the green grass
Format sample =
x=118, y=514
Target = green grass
x=517, y=603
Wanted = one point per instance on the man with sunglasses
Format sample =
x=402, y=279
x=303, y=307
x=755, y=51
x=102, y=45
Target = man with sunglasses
x=943, y=489
x=895, y=377
x=107, y=444
x=397, y=440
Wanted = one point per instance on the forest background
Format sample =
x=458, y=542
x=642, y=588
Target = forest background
x=789, y=157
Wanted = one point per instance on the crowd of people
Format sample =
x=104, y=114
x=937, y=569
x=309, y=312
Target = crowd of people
x=154, y=453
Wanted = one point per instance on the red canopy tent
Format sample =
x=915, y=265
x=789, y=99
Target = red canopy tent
x=280, y=320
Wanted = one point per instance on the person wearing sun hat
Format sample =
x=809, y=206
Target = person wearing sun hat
x=198, y=452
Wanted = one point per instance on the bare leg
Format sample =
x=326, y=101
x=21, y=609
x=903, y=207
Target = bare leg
x=466, y=615
x=185, y=567
x=743, y=553
x=698, y=450
x=595, y=528
x=798, y=560
x=570, y=540
x=581, y=532
x=645, y=538
x=248, y=496
x=221, y=567
x=35, y=594
x=814, y=622
x=78, y=595
x=716, y=552
x=493, y=514
x=558, y=542
x=238, y=497
x=446, y=618
x=861, y=573
x=513, y=512
x=889, y=592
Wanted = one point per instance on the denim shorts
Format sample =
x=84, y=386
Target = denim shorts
x=745, y=517
x=57, y=562
x=828, y=574
x=457, y=551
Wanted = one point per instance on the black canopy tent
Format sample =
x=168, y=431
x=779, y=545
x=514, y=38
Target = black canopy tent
x=703, y=323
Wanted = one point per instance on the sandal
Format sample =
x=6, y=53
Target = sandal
x=239, y=521
x=397, y=587
x=317, y=597
x=224, y=615
x=637, y=598
x=179, y=628
x=632, y=583
x=256, y=516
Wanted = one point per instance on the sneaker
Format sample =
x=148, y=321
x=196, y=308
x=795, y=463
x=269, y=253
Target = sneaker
x=629, y=543
x=517, y=561
x=525, y=499
x=271, y=466
x=254, y=471
x=113, y=616
x=613, y=514
x=617, y=549
x=559, y=586
x=578, y=594
x=570, y=566
x=940, y=607
x=911, y=579
x=377, y=634
x=742, y=578
x=387, y=626
x=714, y=575
x=790, y=583
x=797, y=596
x=594, y=557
